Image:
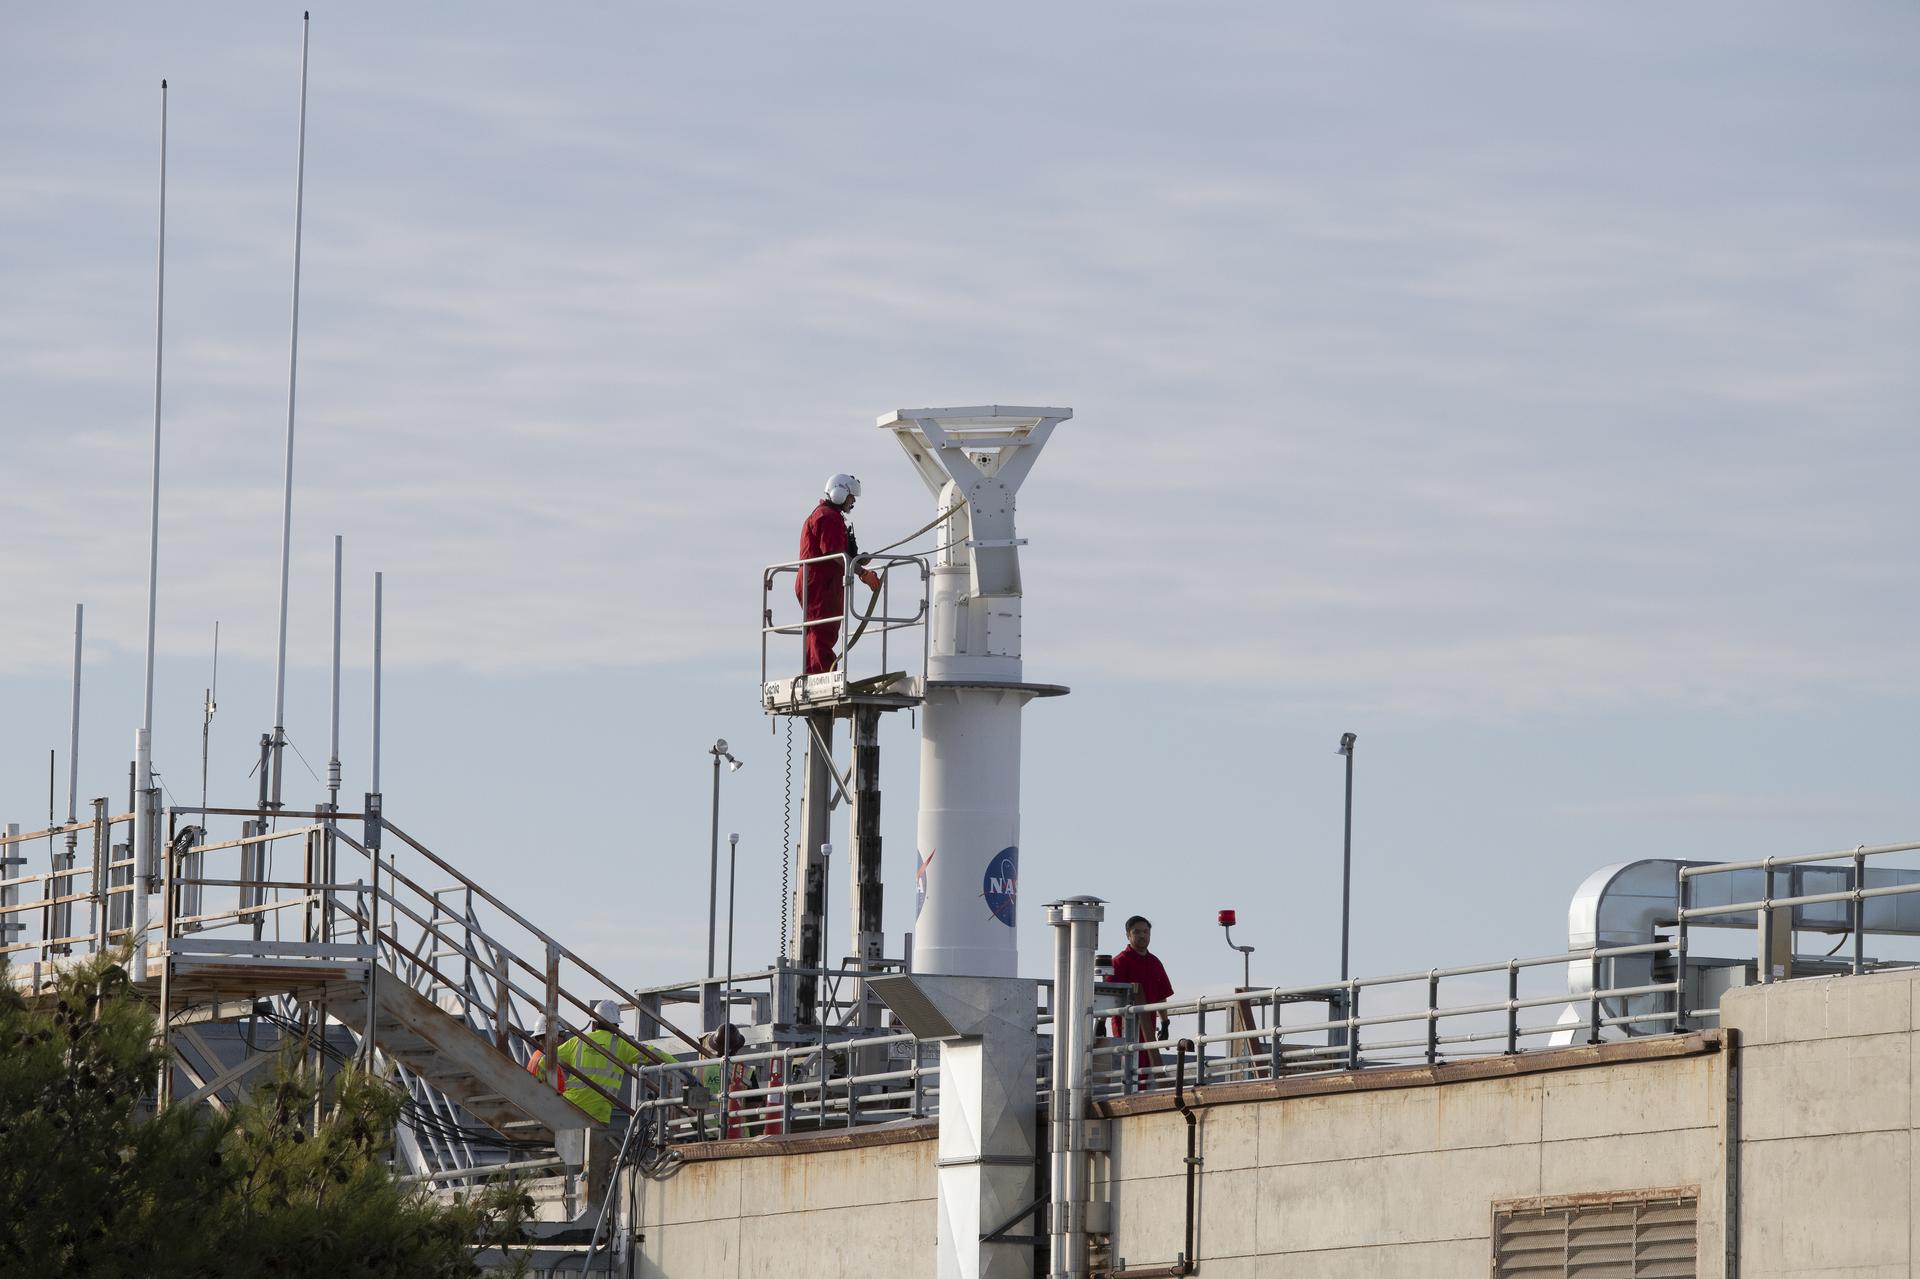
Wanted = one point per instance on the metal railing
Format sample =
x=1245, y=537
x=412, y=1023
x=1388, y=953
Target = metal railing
x=1849, y=866
x=484, y=963
x=40, y=915
x=1242, y=1036
x=460, y=946
x=795, y=1087
x=851, y=623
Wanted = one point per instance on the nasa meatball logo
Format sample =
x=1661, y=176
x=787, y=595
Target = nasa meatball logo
x=920, y=883
x=1003, y=873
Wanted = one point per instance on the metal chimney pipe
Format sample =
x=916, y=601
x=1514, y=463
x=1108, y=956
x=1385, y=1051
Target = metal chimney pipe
x=1059, y=1095
x=1076, y=924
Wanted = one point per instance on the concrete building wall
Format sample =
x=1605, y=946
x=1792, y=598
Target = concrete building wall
x=1402, y=1181
x=825, y=1213
x=1826, y=1166
x=1396, y=1172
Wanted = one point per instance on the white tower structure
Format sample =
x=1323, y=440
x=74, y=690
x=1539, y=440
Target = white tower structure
x=974, y=460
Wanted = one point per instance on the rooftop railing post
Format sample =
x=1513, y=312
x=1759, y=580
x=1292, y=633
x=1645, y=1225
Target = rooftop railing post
x=1273, y=1038
x=1680, y=999
x=1859, y=909
x=164, y=1087
x=1353, y=1028
x=786, y=1091
x=1593, y=1001
x=1199, y=1039
x=1513, y=1005
x=102, y=843
x=1433, y=1016
x=47, y=894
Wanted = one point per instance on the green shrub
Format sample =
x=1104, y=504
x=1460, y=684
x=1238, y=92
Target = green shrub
x=92, y=1183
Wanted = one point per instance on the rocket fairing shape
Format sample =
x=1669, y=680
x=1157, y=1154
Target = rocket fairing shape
x=973, y=460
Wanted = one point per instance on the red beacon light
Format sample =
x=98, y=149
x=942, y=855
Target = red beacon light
x=1228, y=919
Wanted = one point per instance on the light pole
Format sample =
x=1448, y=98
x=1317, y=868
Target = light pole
x=719, y=752
x=733, y=862
x=1346, y=856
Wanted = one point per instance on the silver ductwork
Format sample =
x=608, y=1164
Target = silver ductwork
x=1637, y=903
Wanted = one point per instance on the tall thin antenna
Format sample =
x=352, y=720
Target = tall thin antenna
x=145, y=827
x=378, y=588
x=206, y=720
x=293, y=369
x=333, y=761
x=73, y=741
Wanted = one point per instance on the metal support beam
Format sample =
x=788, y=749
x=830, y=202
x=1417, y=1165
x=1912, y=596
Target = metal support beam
x=865, y=890
x=864, y=865
x=811, y=889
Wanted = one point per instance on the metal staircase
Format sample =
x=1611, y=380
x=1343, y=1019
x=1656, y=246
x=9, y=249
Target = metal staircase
x=443, y=989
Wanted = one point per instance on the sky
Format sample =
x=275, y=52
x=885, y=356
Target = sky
x=1527, y=389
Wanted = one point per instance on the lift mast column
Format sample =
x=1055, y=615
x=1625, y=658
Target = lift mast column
x=974, y=460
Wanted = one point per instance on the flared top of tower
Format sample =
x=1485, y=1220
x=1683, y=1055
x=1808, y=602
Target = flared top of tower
x=978, y=456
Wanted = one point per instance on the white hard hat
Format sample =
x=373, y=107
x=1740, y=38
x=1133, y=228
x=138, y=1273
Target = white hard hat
x=841, y=487
x=606, y=1010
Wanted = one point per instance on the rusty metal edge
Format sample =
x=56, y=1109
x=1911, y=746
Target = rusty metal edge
x=1597, y=1199
x=1541, y=1061
x=811, y=1143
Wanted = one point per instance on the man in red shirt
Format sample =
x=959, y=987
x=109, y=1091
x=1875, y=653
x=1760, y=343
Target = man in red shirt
x=1135, y=964
x=821, y=587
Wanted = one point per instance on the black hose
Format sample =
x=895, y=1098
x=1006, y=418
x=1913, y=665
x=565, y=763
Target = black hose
x=1189, y=1262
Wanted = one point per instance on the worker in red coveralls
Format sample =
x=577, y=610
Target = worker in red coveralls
x=821, y=587
x=1137, y=965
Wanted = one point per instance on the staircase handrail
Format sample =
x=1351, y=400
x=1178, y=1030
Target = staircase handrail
x=524, y=922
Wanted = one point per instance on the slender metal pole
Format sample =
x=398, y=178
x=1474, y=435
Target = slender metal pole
x=378, y=588
x=1347, y=741
x=713, y=857
x=333, y=760
x=371, y=839
x=206, y=721
x=293, y=369
x=73, y=741
x=143, y=817
x=733, y=861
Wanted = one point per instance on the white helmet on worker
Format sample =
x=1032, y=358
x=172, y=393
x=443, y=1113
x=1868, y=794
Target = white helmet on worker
x=606, y=1010
x=841, y=487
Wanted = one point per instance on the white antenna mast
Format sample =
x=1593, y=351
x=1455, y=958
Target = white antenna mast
x=379, y=587
x=206, y=720
x=145, y=824
x=293, y=369
x=73, y=746
x=333, y=761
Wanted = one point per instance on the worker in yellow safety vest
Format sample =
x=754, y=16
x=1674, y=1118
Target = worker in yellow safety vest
x=598, y=1055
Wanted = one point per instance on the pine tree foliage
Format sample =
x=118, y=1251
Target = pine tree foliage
x=93, y=1183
